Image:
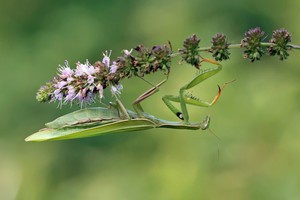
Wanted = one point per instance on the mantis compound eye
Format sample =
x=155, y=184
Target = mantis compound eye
x=179, y=115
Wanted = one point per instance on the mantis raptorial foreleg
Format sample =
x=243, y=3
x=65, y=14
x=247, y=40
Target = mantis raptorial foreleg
x=183, y=98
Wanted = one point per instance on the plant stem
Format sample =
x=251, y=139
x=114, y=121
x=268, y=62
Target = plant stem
x=234, y=46
x=293, y=46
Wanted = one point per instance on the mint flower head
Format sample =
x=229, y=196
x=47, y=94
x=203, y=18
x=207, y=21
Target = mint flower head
x=140, y=61
x=83, y=84
x=252, y=44
x=280, y=39
x=190, y=52
x=88, y=81
x=220, y=47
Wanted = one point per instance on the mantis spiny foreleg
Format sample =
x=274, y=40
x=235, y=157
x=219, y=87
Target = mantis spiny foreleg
x=183, y=98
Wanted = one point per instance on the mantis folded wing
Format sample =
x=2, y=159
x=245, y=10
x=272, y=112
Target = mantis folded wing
x=98, y=121
x=81, y=132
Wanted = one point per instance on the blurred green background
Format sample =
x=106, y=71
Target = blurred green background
x=257, y=117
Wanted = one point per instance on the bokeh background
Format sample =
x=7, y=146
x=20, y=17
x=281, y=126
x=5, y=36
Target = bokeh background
x=257, y=117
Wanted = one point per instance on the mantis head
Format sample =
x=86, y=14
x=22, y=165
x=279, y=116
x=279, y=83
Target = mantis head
x=205, y=123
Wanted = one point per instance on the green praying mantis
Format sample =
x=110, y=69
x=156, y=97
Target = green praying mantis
x=116, y=118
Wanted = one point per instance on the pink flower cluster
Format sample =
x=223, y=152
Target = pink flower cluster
x=84, y=83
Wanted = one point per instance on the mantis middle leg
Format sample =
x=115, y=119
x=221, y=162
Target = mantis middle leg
x=136, y=104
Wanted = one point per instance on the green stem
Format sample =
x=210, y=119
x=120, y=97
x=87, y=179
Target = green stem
x=293, y=46
x=234, y=46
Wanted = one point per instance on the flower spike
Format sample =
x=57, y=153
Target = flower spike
x=88, y=81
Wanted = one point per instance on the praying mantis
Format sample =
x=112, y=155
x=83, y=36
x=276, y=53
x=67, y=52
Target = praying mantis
x=116, y=118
